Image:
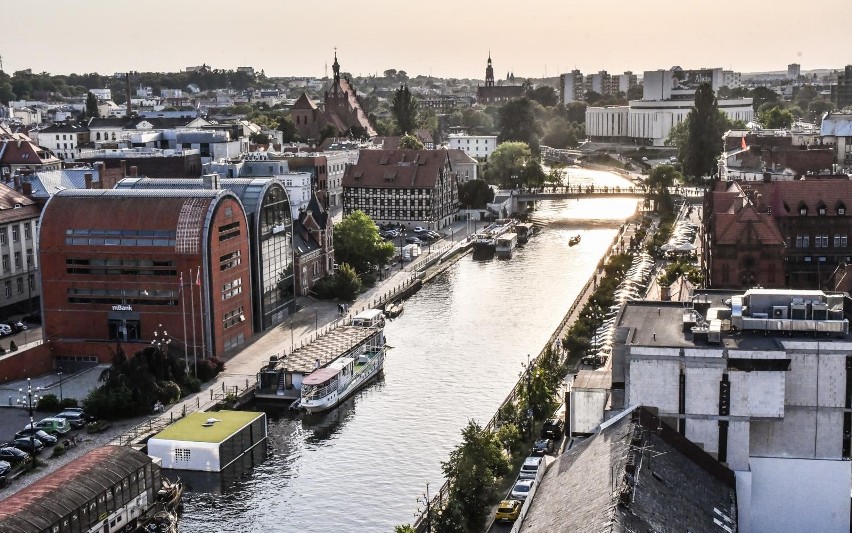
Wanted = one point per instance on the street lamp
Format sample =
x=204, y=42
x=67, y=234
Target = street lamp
x=29, y=401
x=60, y=385
x=425, y=500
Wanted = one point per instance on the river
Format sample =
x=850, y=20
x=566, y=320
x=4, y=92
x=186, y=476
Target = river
x=457, y=351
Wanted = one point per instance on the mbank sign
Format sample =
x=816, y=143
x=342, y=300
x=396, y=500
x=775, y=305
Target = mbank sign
x=122, y=307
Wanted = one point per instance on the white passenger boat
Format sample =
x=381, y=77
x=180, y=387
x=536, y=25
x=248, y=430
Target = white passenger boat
x=327, y=386
x=506, y=244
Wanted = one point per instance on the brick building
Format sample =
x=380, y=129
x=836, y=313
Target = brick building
x=120, y=265
x=409, y=187
x=785, y=234
x=314, y=246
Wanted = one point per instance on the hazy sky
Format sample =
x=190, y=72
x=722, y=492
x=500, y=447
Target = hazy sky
x=448, y=38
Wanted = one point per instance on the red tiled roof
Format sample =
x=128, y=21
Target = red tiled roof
x=396, y=169
x=22, y=151
x=733, y=228
x=304, y=103
x=784, y=197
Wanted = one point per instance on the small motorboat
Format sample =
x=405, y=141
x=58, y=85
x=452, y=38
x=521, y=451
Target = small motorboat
x=574, y=240
x=393, y=309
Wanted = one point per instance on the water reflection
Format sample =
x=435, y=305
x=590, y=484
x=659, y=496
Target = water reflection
x=458, y=349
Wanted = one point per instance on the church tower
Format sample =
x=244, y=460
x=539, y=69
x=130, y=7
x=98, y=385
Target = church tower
x=336, y=68
x=489, y=72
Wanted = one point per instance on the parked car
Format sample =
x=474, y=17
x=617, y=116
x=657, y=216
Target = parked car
x=411, y=239
x=542, y=447
x=5, y=329
x=418, y=229
x=31, y=445
x=13, y=455
x=54, y=426
x=45, y=438
x=508, y=511
x=75, y=417
x=529, y=469
x=552, y=429
x=18, y=326
x=5, y=468
x=522, y=489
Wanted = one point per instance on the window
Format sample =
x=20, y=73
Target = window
x=803, y=211
x=29, y=257
x=28, y=232
x=183, y=455
x=232, y=288
x=31, y=282
x=125, y=330
x=19, y=285
x=8, y=288
x=229, y=231
x=17, y=259
x=16, y=234
x=232, y=318
x=229, y=261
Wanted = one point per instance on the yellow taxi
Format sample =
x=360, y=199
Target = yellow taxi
x=508, y=511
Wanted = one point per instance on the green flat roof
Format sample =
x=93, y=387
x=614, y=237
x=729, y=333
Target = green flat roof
x=191, y=427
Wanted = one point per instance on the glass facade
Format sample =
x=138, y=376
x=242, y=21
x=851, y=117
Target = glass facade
x=275, y=236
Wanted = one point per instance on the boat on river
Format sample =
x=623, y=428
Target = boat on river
x=524, y=230
x=486, y=240
x=574, y=240
x=393, y=309
x=327, y=386
x=506, y=244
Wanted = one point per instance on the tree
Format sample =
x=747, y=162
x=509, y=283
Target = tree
x=92, y=110
x=636, y=92
x=357, y=243
x=775, y=118
x=347, y=283
x=761, y=95
x=405, y=110
x=506, y=164
x=472, y=470
x=817, y=109
x=286, y=126
x=259, y=138
x=576, y=112
x=518, y=123
x=410, y=142
x=475, y=194
x=704, y=134
x=544, y=95
x=390, y=73
x=663, y=177
x=559, y=133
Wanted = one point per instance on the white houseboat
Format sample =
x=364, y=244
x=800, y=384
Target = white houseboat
x=506, y=244
x=327, y=386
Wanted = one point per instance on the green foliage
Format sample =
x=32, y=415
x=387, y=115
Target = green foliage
x=58, y=451
x=405, y=110
x=169, y=392
x=560, y=133
x=92, y=106
x=472, y=469
x=762, y=95
x=544, y=95
x=518, y=123
x=507, y=162
x=410, y=142
x=476, y=121
x=68, y=402
x=404, y=529
x=679, y=269
x=450, y=519
x=357, y=243
x=208, y=368
x=776, y=118
x=48, y=402
x=342, y=285
x=511, y=437
x=704, y=134
x=576, y=112
x=259, y=138
x=111, y=403
x=663, y=177
x=475, y=194
x=286, y=126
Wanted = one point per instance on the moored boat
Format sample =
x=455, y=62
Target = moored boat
x=393, y=309
x=524, y=231
x=574, y=240
x=506, y=245
x=327, y=386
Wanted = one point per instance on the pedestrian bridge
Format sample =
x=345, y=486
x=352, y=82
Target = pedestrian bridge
x=578, y=191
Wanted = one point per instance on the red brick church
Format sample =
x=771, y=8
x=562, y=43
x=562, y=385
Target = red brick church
x=341, y=109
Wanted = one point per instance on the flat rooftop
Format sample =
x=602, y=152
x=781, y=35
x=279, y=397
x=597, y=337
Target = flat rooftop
x=593, y=379
x=334, y=343
x=192, y=427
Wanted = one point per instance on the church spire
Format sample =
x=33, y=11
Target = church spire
x=489, y=72
x=336, y=66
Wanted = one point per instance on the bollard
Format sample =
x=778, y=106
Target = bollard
x=211, y=394
x=223, y=386
x=197, y=402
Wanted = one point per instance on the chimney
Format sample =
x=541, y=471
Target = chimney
x=99, y=166
x=17, y=180
x=27, y=189
x=88, y=177
x=133, y=171
x=123, y=168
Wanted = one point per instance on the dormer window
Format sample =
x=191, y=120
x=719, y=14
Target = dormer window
x=803, y=209
x=821, y=210
x=840, y=208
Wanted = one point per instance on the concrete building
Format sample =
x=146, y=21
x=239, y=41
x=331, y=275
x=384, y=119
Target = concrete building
x=842, y=92
x=836, y=131
x=668, y=97
x=774, y=155
x=731, y=79
x=68, y=146
x=151, y=162
x=479, y=147
x=19, y=244
x=465, y=167
x=571, y=87
x=408, y=187
x=794, y=70
x=120, y=265
x=759, y=380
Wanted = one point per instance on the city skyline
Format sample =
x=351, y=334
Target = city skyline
x=551, y=39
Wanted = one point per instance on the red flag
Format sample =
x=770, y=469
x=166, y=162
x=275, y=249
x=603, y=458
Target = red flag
x=743, y=144
x=198, y=277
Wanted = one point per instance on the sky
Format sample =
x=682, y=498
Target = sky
x=444, y=38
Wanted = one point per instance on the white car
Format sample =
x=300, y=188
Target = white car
x=418, y=229
x=522, y=489
x=5, y=329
